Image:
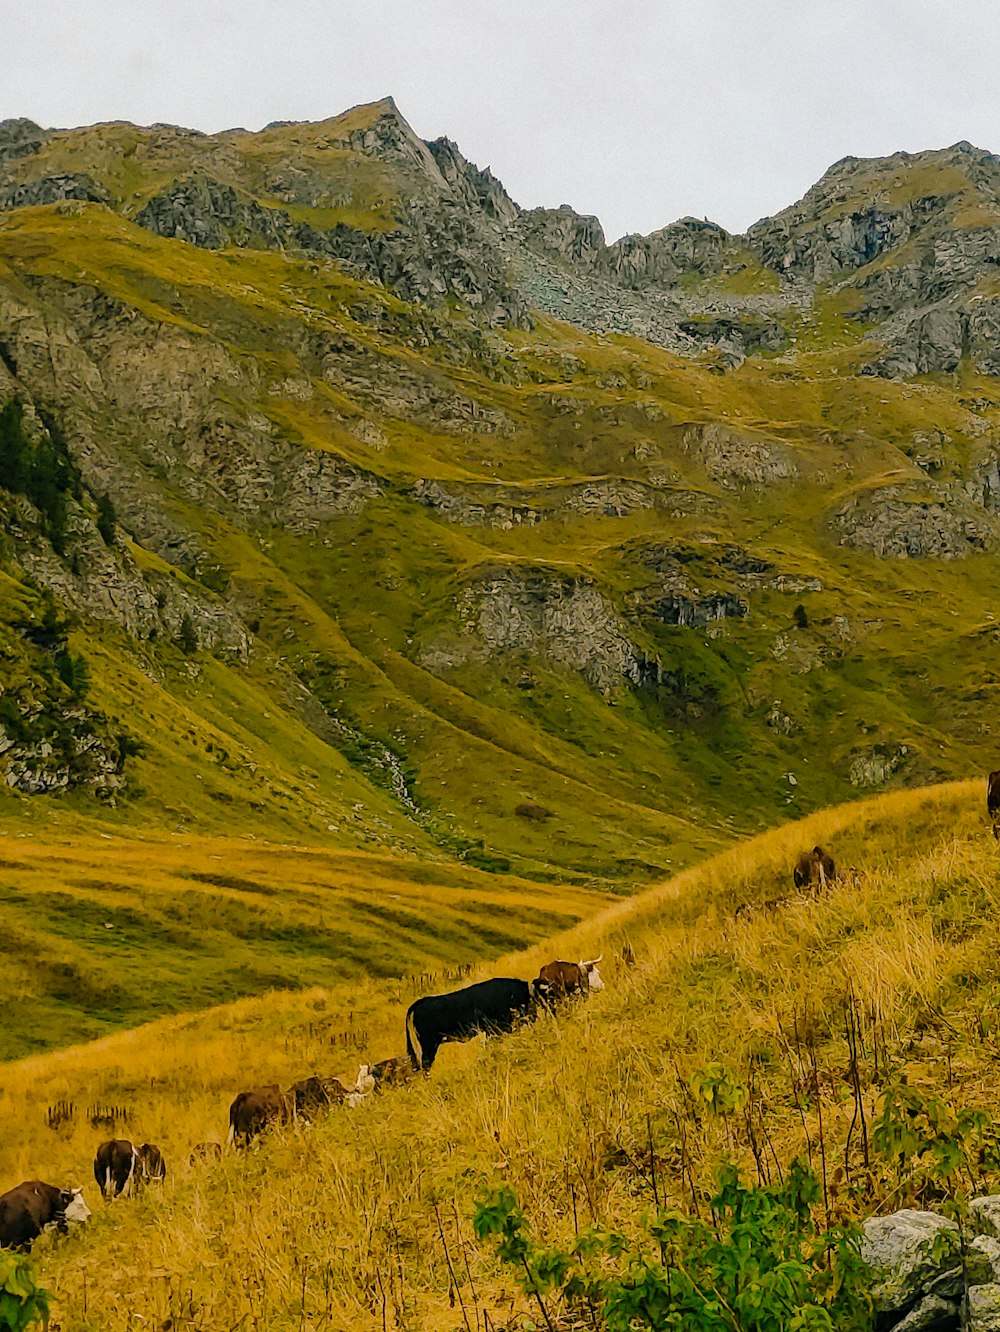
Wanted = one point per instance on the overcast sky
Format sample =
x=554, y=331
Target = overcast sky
x=640, y=111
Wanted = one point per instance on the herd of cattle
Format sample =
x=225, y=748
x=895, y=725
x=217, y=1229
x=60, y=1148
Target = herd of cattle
x=488, y=1007
x=121, y=1168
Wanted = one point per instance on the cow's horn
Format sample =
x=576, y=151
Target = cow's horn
x=593, y=962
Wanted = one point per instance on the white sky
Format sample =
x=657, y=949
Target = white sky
x=640, y=111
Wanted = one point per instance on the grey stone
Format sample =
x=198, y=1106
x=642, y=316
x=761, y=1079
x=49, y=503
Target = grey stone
x=932, y=1314
x=907, y=1251
x=984, y=1308
x=984, y=1214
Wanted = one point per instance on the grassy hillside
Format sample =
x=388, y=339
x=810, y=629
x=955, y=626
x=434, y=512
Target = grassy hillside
x=102, y=931
x=738, y=985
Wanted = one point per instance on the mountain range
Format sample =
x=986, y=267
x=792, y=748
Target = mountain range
x=346, y=502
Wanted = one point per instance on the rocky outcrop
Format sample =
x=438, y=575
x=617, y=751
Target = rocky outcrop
x=479, y=188
x=695, y=612
x=43, y=751
x=940, y=338
x=20, y=138
x=433, y=254
x=52, y=189
x=927, y=1276
x=565, y=235
x=733, y=457
x=876, y=765
x=567, y=620
x=894, y=524
x=661, y=258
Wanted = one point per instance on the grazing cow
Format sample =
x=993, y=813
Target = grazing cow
x=814, y=867
x=151, y=1164
x=205, y=1151
x=392, y=1072
x=117, y=1168
x=993, y=801
x=489, y=1006
x=31, y=1207
x=314, y=1094
x=562, y=978
x=253, y=1111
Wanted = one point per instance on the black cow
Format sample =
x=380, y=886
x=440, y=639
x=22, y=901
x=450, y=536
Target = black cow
x=117, y=1168
x=993, y=801
x=487, y=1007
x=25, y=1211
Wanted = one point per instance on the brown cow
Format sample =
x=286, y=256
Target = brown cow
x=316, y=1093
x=562, y=978
x=993, y=801
x=254, y=1111
x=392, y=1072
x=151, y=1164
x=814, y=867
x=117, y=1168
x=205, y=1151
x=31, y=1207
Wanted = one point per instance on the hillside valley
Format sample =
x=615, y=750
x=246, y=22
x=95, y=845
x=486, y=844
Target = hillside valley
x=350, y=509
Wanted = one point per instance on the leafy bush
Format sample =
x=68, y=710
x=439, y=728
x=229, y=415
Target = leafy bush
x=762, y=1264
x=21, y=1301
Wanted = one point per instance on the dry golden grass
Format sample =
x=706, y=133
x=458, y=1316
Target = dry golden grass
x=339, y=1225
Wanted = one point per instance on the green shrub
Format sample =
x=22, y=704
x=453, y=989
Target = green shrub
x=22, y=1303
x=761, y=1264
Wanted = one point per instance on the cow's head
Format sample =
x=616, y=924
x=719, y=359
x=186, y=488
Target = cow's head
x=72, y=1211
x=364, y=1084
x=76, y=1210
x=589, y=969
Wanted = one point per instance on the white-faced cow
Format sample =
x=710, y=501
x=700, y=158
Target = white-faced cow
x=315, y=1094
x=814, y=868
x=487, y=1007
x=253, y=1111
x=562, y=978
x=31, y=1207
x=117, y=1168
x=993, y=801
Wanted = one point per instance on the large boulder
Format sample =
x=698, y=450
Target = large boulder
x=909, y=1252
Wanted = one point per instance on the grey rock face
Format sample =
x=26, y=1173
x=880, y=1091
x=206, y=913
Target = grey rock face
x=52, y=189
x=985, y=1215
x=695, y=612
x=875, y=766
x=892, y=524
x=567, y=620
x=908, y=1251
x=984, y=1308
x=732, y=457
x=564, y=234
x=20, y=138
x=479, y=188
x=688, y=245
